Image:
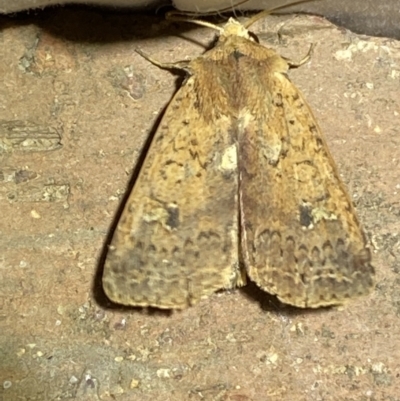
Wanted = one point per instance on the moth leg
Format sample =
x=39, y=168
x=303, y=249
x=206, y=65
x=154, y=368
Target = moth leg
x=282, y=25
x=305, y=59
x=178, y=65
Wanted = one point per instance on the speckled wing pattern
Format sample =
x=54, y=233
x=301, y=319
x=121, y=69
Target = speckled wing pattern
x=238, y=179
x=177, y=239
x=300, y=235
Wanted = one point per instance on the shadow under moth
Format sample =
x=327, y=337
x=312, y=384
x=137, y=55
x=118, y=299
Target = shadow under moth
x=238, y=184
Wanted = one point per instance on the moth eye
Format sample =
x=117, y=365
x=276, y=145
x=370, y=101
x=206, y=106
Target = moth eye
x=254, y=37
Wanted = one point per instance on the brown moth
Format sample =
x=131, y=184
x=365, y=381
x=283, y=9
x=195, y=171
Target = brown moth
x=238, y=182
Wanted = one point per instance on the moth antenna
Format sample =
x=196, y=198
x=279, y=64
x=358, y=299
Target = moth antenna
x=176, y=16
x=184, y=16
x=216, y=12
x=264, y=13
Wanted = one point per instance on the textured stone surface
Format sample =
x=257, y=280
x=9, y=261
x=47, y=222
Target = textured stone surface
x=75, y=73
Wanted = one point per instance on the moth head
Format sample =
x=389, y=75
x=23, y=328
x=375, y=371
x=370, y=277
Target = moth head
x=235, y=28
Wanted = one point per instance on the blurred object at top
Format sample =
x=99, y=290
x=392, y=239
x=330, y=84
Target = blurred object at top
x=370, y=17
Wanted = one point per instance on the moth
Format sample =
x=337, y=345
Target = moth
x=238, y=184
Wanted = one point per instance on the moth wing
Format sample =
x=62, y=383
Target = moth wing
x=301, y=239
x=177, y=238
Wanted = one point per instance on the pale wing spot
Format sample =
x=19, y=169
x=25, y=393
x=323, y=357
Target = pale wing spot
x=229, y=159
x=158, y=214
x=309, y=216
x=167, y=216
x=319, y=214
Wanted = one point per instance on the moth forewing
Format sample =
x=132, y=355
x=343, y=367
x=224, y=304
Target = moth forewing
x=177, y=238
x=301, y=237
x=238, y=170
